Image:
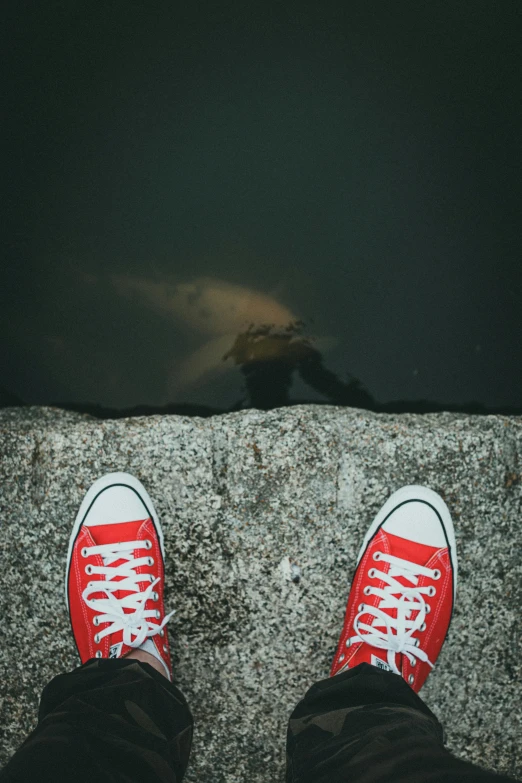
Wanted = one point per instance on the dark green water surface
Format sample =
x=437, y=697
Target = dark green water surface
x=327, y=192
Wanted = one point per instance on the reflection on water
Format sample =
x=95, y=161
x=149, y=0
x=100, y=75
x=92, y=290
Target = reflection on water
x=269, y=356
x=231, y=321
x=218, y=329
x=269, y=359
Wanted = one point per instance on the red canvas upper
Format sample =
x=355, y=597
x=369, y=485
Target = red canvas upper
x=437, y=621
x=82, y=615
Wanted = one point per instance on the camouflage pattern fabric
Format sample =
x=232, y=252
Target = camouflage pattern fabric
x=109, y=720
x=367, y=725
x=122, y=721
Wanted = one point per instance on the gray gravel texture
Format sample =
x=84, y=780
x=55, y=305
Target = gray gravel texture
x=249, y=502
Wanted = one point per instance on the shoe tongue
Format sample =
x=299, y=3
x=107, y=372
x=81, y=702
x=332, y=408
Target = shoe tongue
x=112, y=534
x=410, y=550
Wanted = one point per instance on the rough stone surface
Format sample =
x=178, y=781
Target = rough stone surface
x=247, y=501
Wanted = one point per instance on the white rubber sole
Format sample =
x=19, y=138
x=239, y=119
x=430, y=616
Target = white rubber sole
x=418, y=492
x=99, y=485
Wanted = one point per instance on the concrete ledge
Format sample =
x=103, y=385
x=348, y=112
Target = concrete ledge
x=241, y=498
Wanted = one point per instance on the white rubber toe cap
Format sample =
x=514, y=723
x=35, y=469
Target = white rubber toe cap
x=113, y=499
x=116, y=504
x=416, y=521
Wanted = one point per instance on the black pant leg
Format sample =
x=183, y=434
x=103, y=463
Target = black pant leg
x=367, y=725
x=108, y=720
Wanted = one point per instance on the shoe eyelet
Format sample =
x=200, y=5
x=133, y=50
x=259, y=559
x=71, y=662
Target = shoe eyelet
x=438, y=572
x=162, y=632
x=341, y=658
x=150, y=561
x=348, y=643
x=377, y=555
x=423, y=627
x=99, y=653
x=165, y=648
x=432, y=590
x=157, y=615
x=411, y=679
x=417, y=642
x=155, y=596
x=84, y=552
x=428, y=608
x=148, y=543
x=96, y=639
x=361, y=607
x=371, y=573
x=95, y=621
x=88, y=569
x=366, y=590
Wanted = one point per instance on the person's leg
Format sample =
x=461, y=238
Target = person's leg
x=108, y=720
x=366, y=723
x=118, y=717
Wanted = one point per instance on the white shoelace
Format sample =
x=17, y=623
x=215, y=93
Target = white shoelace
x=111, y=609
x=401, y=641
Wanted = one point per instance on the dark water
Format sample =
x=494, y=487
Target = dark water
x=328, y=193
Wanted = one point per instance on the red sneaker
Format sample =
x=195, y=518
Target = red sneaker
x=115, y=575
x=413, y=540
